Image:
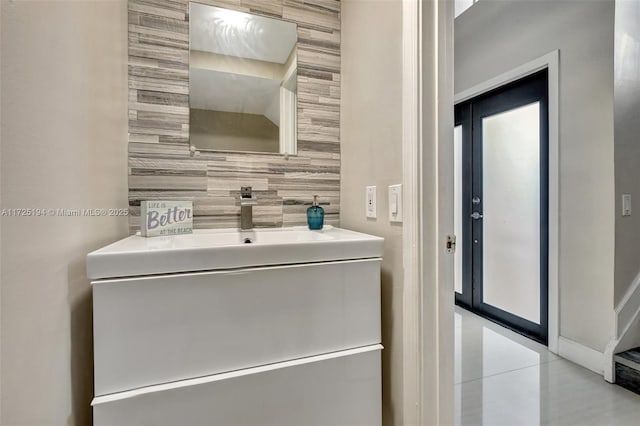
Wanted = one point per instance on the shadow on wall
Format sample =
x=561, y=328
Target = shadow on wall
x=81, y=305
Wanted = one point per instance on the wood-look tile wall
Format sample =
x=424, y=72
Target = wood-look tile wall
x=160, y=163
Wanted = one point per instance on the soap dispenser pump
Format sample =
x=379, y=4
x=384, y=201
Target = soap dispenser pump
x=315, y=215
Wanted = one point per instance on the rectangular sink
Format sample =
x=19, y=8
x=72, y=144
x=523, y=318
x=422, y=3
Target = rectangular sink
x=215, y=249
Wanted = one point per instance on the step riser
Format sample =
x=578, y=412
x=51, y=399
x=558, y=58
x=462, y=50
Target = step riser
x=628, y=378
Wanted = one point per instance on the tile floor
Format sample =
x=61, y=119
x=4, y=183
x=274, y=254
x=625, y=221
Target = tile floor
x=504, y=379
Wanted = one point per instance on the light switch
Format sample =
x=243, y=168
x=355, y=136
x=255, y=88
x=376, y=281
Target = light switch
x=395, y=203
x=626, y=204
x=372, y=209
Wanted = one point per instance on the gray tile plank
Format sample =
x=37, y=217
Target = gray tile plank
x=160, y=163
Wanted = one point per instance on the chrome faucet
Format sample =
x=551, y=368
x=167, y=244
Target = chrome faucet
x=247, y=201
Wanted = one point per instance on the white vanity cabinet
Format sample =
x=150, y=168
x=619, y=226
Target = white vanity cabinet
x=244, y=344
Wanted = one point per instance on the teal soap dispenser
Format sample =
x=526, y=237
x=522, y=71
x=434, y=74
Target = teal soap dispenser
x=315, y=215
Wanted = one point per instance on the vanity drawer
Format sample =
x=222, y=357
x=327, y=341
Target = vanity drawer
x=333, y=389
x=166, y=328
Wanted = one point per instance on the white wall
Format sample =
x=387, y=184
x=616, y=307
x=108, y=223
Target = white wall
x=64, y=133
x=627, y=142
x=371, y=150
x=493, y=37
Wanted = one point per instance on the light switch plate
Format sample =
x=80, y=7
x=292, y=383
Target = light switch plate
x=626, y=204
x=371, y=207
x=395, y=203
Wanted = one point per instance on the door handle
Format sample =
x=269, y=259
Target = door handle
x=476, y=216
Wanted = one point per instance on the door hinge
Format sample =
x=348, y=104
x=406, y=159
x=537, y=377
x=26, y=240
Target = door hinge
x=451, y=244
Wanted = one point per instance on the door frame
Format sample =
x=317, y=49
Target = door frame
x=427, y=156
x=427, y=123
x=550, y=61
x=470, y=114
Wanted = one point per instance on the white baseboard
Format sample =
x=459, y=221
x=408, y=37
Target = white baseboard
x=581, y=355
x=609, y=368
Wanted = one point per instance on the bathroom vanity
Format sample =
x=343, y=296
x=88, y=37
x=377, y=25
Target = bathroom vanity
x=226, y=327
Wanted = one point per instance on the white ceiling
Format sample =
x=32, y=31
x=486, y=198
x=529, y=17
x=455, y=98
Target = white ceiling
x=221, y=91
x=227, y=32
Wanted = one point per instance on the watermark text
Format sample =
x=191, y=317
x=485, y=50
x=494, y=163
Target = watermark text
x=64, y=212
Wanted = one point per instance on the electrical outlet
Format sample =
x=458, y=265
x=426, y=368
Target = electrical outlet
x=371, y=207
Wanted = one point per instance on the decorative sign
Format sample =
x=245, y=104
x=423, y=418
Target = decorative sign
x=159, y=218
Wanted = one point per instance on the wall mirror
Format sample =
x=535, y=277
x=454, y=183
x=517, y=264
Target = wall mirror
x=242, y=81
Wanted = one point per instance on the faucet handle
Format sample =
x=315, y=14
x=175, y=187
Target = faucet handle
x=245, y=192
x=246, y=197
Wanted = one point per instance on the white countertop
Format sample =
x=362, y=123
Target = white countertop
x=225, y=249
